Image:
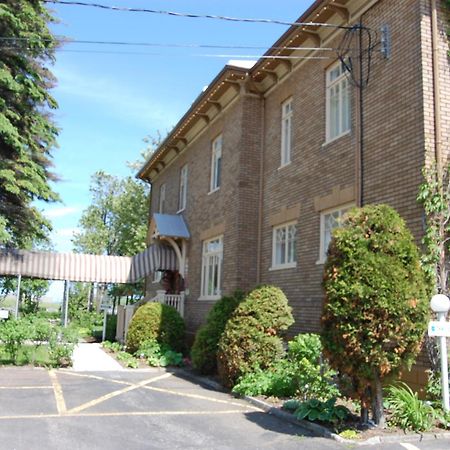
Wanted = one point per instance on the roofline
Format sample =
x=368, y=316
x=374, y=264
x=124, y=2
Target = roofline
x=226, y=69
x=160, y=150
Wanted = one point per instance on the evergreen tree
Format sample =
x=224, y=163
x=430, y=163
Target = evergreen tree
x=27, y=133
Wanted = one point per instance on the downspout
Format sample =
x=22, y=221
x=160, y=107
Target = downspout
x=436, y=89
x=359, y=160
x=261, y=191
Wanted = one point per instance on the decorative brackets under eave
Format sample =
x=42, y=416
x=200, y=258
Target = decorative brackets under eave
x=234, y=84
x=339, y=9
x=286, y=63
x=205, y=117
x=216, y=105
x=315, y=37
x=181, y=139
x=273, y=75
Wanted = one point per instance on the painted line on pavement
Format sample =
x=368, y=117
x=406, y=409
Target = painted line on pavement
x=24, y=387
x=96, y=377
x=116, y=393
x=57, y=390
x=409, y=446
x=123, y=414
x=200, y=397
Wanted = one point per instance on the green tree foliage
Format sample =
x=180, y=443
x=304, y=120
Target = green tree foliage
x=251, y=338
x=204, y=349
x=31, y=291
x=156, y=321
x=116, y=221
x=376, y=303
x=78, y=299
x=27, y=133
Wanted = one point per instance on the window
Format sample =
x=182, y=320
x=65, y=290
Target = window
x=183, y=188
x=338, y=102
x=329, y=220
x=162, y=198
x=216, y=163
x=212, y=268
x=157, y=276
x=284, y=250
x=286, y=132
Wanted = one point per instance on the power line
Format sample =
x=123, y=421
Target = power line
x=196, y=16
x=169, y=45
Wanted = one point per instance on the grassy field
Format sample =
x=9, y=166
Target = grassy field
x=10, y=303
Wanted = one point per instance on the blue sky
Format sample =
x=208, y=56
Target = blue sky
x=108, y=102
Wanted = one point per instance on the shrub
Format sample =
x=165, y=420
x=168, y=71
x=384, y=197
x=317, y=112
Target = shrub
x=376, y=305
x=251, y=337
x=408, y=412
x=300, y=375
x=155, y=321
x=327, y=412
x=13, y=333
x=159, y=355
x=204, y=349
x=128, y=360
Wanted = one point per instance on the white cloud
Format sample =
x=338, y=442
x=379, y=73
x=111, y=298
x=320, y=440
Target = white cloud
x=61, y=212
x=66, y=232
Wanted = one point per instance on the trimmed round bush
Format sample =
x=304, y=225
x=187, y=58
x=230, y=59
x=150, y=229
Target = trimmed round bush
x=204, y=349
x=251, y=338
x=156, y=321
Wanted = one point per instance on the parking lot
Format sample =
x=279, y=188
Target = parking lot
x=130, y=409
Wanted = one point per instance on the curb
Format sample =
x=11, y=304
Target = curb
x=324, y=432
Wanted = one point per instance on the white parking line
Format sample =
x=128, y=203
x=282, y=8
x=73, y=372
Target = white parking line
x=409, y=446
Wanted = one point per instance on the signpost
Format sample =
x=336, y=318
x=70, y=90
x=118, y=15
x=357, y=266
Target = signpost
x=440, y=304
x=105, y=305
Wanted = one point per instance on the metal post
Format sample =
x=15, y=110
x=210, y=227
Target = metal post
x=66, y=303
x=19, y=280
x=444, y=366
x=105, y=317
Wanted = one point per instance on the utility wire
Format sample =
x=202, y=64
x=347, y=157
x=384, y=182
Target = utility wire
x=169, y=45
x=195, y=16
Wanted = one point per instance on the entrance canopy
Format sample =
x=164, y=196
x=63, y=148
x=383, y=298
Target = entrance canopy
x=87, y=268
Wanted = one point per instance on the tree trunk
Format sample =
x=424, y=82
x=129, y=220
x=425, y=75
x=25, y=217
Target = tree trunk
x=377, y=403
x=364, y=414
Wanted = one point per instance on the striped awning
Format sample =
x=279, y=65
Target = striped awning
x=87, y=268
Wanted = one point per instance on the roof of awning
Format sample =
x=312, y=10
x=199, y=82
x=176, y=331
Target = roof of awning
x=87, y=268
x=170, y=225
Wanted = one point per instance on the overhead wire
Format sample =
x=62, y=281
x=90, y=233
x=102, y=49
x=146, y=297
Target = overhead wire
x=195, y=16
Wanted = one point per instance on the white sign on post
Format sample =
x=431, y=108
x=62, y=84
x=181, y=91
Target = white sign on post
x=438, y=329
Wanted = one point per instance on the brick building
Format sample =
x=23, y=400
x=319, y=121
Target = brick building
x=269, y=157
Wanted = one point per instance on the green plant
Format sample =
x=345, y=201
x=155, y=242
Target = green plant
x=408, y=412
x=433, y=389
x=306, y=345
x=159, y=355
x=327, y=412
x=376, y=304
x=349, y=434
x=13, y=334
x=204, y=349
x=291, y=405
x=127, y=359
x=155, y=321
x=251, y=338
x=112, y=346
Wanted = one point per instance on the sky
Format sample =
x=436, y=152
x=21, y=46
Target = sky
x=111, y=96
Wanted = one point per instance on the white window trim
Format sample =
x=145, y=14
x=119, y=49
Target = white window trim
x=162, y=198
x=157, y=276
x=182, y=201
x=289, y=265
x=328, y=84
x=322, y=251
x=286, y=156
x=216, y=149
x=203, y=274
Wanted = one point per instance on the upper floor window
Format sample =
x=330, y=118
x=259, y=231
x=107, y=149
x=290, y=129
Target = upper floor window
x=216, y=163
x=286, y=132
x=162, y=198
x=212, y=268
x=338, y=102
x=329, y=220
x=284, y=249
x=183, y=188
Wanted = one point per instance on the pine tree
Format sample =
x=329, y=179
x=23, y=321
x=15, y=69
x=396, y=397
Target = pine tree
x=27, y=132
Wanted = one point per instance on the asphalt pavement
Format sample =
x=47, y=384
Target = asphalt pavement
x=141, y=409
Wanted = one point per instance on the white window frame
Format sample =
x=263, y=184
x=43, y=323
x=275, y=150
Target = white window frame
x=211, y=259
x=182, y=195
x=216, y=164
x=342, y=210
x=162, y=198
x=157, y=276
x=342, y=83
x=286, y=132
x=286, y=264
